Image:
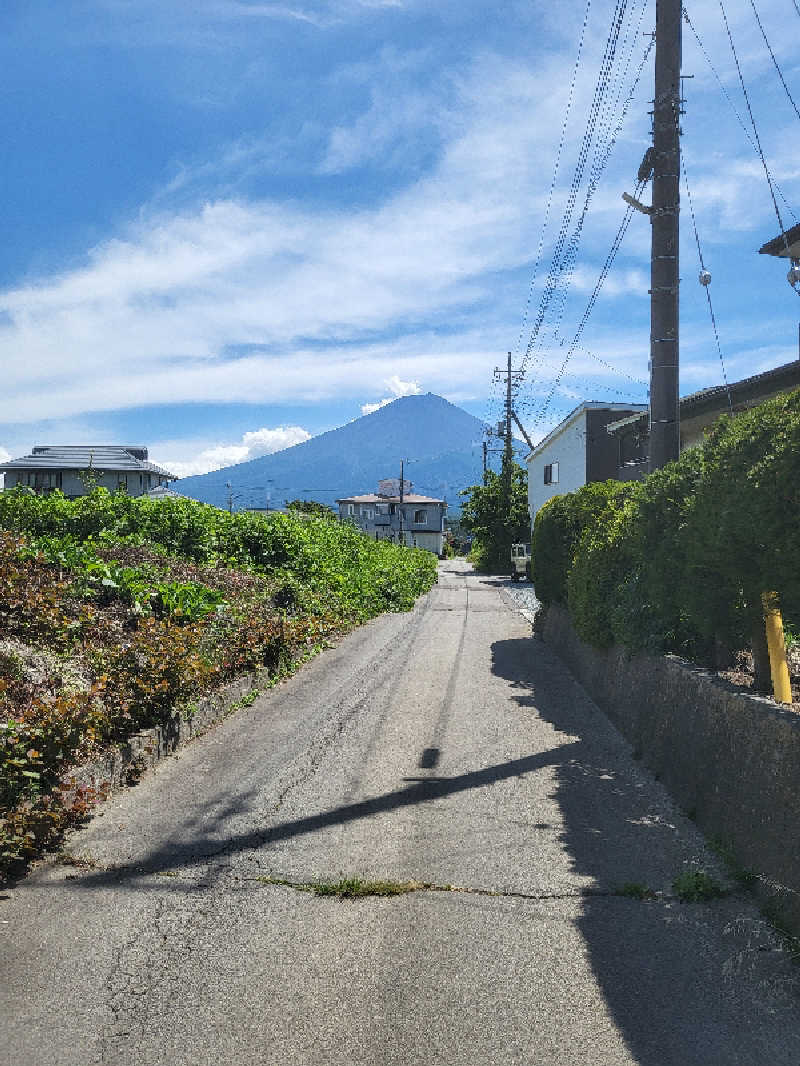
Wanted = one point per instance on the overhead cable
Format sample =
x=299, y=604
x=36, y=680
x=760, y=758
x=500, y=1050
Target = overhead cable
x=557, y=266
x=732, y=105
x=755, y=127
x=548, y=206
x=564, y=260
x=774, y=60
x=705, y=279
x=604, y=272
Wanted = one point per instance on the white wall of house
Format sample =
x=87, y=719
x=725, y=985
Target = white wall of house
x=566, y=445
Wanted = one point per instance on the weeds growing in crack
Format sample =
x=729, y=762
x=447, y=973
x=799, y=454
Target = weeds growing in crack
x=696, y=886
x=349, y=887
x=635, y=890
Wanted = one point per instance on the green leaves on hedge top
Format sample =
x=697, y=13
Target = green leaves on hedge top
x=679, y=560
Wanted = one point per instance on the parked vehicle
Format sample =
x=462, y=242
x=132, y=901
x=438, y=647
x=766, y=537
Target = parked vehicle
x=520, y=562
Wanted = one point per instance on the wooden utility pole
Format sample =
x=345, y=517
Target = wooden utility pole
x=664, y=218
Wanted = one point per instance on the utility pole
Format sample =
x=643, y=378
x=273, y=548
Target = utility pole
x=664, y=219
x=508, y=454
x=400, y=508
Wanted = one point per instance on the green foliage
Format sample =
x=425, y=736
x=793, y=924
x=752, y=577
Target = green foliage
x=310, y=507
x=494, y=527
x=154, y=603
x=743, y=532
x=696, y=886
x=560, y=524
x=678, y=561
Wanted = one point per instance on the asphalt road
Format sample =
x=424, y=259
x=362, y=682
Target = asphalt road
x=443, y=746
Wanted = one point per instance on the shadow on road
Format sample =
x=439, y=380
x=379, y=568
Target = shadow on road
x=685, y=983
x=205, y=845
x=681, y=982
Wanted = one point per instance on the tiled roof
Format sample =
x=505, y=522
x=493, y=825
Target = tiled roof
x=105, y=457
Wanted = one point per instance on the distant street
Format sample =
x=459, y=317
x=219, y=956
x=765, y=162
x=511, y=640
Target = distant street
x=443, y=747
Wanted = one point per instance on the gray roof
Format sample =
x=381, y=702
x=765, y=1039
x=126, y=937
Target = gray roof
x=787, y=245
x=758, y=386
x=105, y=457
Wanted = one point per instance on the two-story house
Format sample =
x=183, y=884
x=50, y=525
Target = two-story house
x=576, y=452
x=398, y=514
x=76, y=469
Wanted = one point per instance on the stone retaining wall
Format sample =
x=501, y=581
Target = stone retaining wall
x=124, y=764
x=730, y=760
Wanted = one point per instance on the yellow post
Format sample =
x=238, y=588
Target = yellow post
x=776, y=644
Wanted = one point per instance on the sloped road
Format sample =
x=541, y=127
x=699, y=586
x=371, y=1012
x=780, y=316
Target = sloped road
x=444, y=747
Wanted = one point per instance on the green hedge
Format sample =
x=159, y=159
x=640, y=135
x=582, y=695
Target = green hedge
x=678, y=560
x=558, y=530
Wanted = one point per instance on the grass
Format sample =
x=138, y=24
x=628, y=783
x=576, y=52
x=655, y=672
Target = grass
x=696, y=886
x=746, y=878
x=635, y=890
x=349, y=887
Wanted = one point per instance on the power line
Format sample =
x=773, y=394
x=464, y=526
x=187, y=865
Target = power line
x=732, y=105
x=753, y=122
x=562, y=264
x=604, y=272
x=705, y=281
x=558, y=265
x=548, y=206
x=772, y=56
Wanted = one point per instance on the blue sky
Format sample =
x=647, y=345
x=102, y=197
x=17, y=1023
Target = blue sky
x=230, y=225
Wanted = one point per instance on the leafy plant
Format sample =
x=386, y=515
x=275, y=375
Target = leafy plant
x=696, y=886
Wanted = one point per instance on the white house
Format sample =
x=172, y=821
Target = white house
x=396, y=513
x=577, y=451
x=76, y=469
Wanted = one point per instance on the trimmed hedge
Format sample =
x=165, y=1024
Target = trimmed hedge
x=678, y=560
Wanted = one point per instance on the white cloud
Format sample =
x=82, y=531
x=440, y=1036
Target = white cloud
x=239, y=300
x=253, y=444
x=397, y=388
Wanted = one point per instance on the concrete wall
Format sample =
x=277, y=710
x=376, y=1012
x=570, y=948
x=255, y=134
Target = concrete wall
x=731, y=760
x=123, y=765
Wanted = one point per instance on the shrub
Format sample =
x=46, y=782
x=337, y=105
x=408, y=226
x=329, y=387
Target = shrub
x=558, y=529
x=743, y=534
x=648, y=606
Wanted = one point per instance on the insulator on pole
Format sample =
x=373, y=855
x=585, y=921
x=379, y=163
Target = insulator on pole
x=794, y=274
x=705, y=277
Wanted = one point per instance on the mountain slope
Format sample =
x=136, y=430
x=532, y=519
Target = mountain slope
x=442, y=441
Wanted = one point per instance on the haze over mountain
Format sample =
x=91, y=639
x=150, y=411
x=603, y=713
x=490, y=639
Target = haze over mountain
x=440, y=443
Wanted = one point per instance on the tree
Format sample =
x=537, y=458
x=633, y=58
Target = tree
x=494, y=525
x=309, y=507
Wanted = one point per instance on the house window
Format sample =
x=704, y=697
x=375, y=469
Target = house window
x=350, y=509
x=366, y=512
x=122, y=483
x=421, y=517
x=45, y=480
x=551, y=474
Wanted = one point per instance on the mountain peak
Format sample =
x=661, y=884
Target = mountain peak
x=433, y=438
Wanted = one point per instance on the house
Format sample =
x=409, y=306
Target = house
x=76, y=469
x=398, y=514
x=577, y=451
x=698, y=412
